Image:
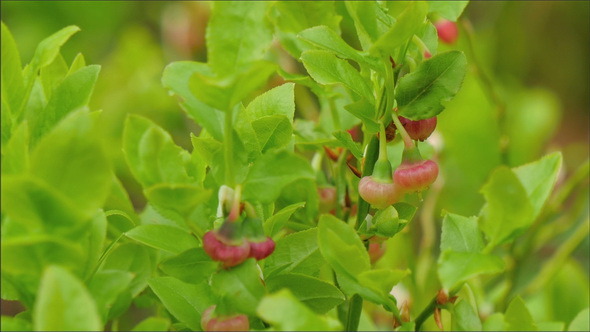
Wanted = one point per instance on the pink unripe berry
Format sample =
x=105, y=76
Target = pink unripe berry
x=419, y=130
x=447, y=31
x=219, y=250
x=379, y=194
x=415, y=176
x=263, y=249
x=427, y=55
x=223, y=323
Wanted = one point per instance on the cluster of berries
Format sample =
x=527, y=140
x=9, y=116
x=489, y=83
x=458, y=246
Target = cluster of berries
x=414, y=174
x=241, y=236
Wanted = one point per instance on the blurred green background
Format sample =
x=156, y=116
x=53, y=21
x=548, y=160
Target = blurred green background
x=534, y=68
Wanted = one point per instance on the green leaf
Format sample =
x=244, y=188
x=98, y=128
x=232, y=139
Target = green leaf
x=273, y=131
x=508, y=211
x=237, y=34
x=276, y=101
x=382, y=280
x=275, y=223
x=184, y=301
x=581, y=322
x=192, y=266
x=451, y=10
x=74, y=162
x=153, y=324
x=272, y=172
x=105, y=286
x=13, y=87
x=465, y=318
x=325, y=68
x=53, y=74
x=36, y=205
x=241, y=284
x=15, y=155
x=518, y=317
x=401, y=32
x=266, y=122
x=460, y=234
x=78, y=63
x=134, y=258
x=30, y=254
x=456, y=267
x=49, y=47
x=495, y=322
x=73, y=93
x=538, y=179
x=64, y=304
x=94, y=241
x=346, y=139
x=179, y=197
x=363, y=110
x=326, y=39
x=295, y=253
x=341, y=246
x=8, y=323
x=151, y=154
x=420, y=93
x=318, y=295
x=285, y=313
x=176, y=77
x=551, y=326
x=164, y=237
x=370, y=21
x=292, y=17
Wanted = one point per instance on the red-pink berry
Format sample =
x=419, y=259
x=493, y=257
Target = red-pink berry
x=416, y=176
x=263, y=249
x=419, y=130
x=447, y=31
x=427, y=55
x=223, y=323
x=219, y=250
x=379, y=194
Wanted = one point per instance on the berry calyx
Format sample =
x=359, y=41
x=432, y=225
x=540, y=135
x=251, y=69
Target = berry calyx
x=419, y=130
x=221, y=249
x=447, y=31
x=415, y=176
x=210, y=322
x=261, y=249
x=379, y=194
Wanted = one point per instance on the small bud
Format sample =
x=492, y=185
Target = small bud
x=447, y=31
x=442, y=297
x=415, y=176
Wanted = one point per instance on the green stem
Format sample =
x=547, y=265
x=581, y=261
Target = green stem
x=228, y=152
x=408, y=143
x=335, y=115
x=355, y=307
x=382, y=143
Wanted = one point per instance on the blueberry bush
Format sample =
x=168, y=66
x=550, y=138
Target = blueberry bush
x=343, y=166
